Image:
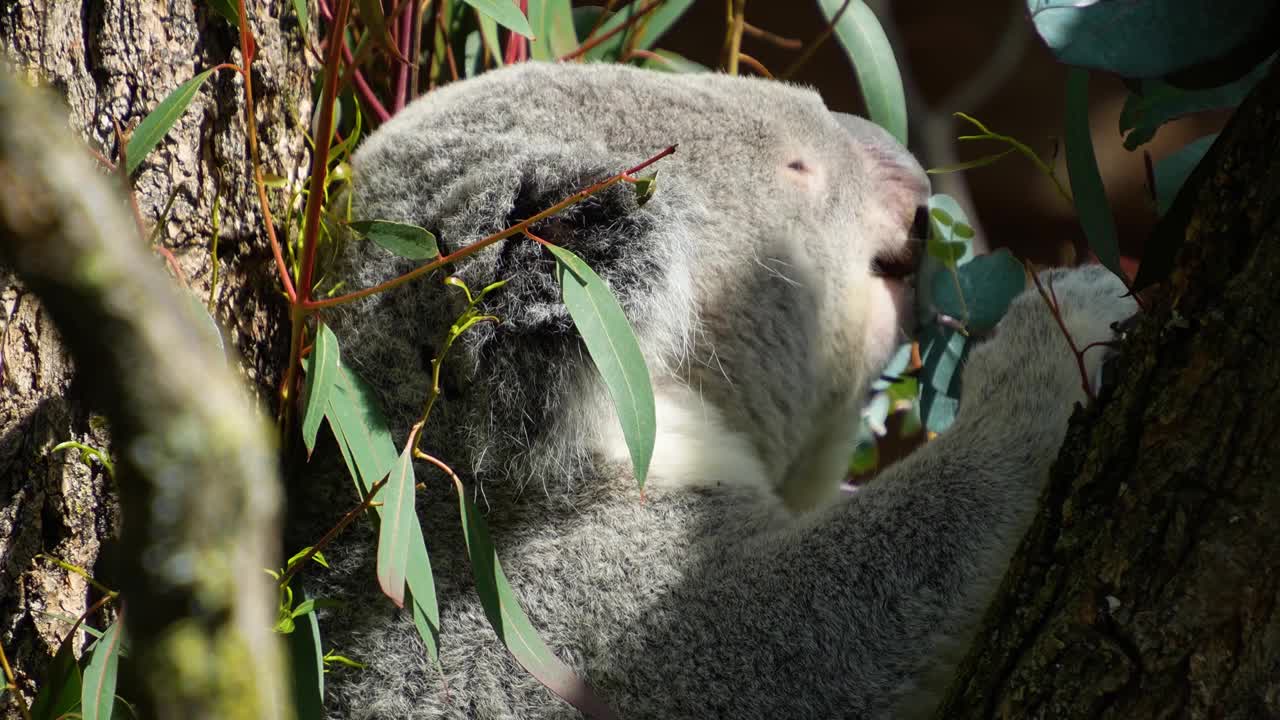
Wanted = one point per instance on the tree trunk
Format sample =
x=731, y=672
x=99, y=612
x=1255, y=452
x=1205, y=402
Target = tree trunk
x=115, y=60
x=1148, y=584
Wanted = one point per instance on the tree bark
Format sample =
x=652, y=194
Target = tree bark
x=1148, y=584
x=115, y=60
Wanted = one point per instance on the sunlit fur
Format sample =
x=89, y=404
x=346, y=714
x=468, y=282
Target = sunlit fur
x=744, y=585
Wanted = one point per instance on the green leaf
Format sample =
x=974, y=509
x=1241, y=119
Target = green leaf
x=393, y=531
x=552, y=23
x=947, y=249
x=306, y=662
x=97, y=696
x=1146, y=38
x=300, y=7
x=1173, y=171
x=489, y=33
x=510, y=622
x=227, y=9
x=407, y=241
x=615, y=351
x=642, y=34
x=668, y=61
x=322, y=372
x=1086, y=183
x=942, y=353
x=867, y=46
x=1155, y=103
x=60, y=690
x=158, y=122
x=506, y=13
x=375, y=22
x=370, y=454
x=979, y=292
x=645, y=186
x=970, y=164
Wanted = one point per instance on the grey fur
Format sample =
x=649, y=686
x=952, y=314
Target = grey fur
x=747, y=283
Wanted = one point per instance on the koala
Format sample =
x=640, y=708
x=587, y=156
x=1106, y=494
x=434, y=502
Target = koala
x=768, y=280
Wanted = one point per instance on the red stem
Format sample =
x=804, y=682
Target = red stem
x=402, y=74
x=593, y=42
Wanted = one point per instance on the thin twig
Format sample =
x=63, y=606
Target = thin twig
x=785, y=43
x=12, y=682
x=1051, y=300
x=415, y=47
x=809, y=51
x=733, y=43
x=475, y=247
x=593, y=42
x=755, y=64
x=448, y=50
x=332, y=532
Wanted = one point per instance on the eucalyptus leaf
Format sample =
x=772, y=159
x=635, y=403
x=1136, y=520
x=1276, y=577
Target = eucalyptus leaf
x=552, y=23
x=668, y=61
x=227, y=9
x=60, y=688
x=393, y=531
x=942, y=354
x=1155, y=103
x=370, y=453
x=509, y=621
x=407, y=241
x=306, y=663
x=98, y=693
x=979, y=292
x=615, y=351
x=506, y=13
x=642, y=34
x=1146, y=38
x=159, y=121
x=322, y=372
x=868, y=48
x=300, y=8
x=1172, y=172
x=1086, y=182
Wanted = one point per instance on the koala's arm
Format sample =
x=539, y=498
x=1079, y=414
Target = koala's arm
x=847, y=614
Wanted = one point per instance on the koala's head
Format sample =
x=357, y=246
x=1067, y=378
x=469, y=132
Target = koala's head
x=766, y=276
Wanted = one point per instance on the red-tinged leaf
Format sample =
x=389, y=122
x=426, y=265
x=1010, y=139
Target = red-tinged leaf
x=393, y=531
x=511, y=624
x=98, y=693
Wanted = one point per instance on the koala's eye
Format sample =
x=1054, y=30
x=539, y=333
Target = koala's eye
x=798, y=166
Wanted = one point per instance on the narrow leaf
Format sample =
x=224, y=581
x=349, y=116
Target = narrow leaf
x=98, y=694
x=1155, y=103
x=370, y=454
x=1172, y=172
x=60, y=690
x=512, y=625
x=642, y=34
x=322, y=372
x=672, y=62
x=506, y=13
x=300, y=7
x=615, y=351
x=158, y=122
x=489, y=33
x=393, y=531
x=306, y=661
x=552, y=23
x=1086, y=183
x=407, y=241
x=970, y=164
x=867, y=46
x=375, y=22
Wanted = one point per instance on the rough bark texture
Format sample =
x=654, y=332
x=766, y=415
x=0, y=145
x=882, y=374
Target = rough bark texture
x=115, y=60
x=1148, y=586
x=197, y=481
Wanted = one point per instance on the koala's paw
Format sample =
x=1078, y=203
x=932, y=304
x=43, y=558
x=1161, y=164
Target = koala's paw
x=1028, y=348
x=1093, y=303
